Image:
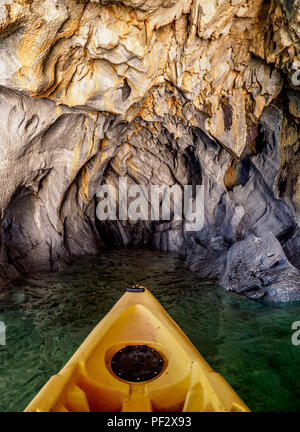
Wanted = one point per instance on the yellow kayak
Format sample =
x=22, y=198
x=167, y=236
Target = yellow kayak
x=137, y=360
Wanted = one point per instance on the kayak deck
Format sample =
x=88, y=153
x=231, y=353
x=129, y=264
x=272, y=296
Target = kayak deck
x=137, y=360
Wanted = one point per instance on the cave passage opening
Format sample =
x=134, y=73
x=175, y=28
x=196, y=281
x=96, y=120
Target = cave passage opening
x=48, y=221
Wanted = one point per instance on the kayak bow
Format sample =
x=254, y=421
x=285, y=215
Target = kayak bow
x=137, y=359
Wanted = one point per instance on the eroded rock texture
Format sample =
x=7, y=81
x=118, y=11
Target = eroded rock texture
x=162, y=92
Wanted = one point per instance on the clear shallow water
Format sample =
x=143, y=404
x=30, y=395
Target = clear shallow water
x=49, y=315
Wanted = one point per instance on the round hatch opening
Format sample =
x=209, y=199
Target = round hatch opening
x=137, y=363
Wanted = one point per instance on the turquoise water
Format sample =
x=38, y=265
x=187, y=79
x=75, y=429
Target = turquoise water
x=49, y=315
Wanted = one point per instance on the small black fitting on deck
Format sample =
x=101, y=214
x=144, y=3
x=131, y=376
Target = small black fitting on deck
x=136, y=289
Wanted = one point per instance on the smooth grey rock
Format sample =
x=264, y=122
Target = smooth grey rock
x=257, y=267
x=208, y=262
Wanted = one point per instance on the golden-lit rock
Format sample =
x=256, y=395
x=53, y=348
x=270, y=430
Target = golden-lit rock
x=109, y=56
